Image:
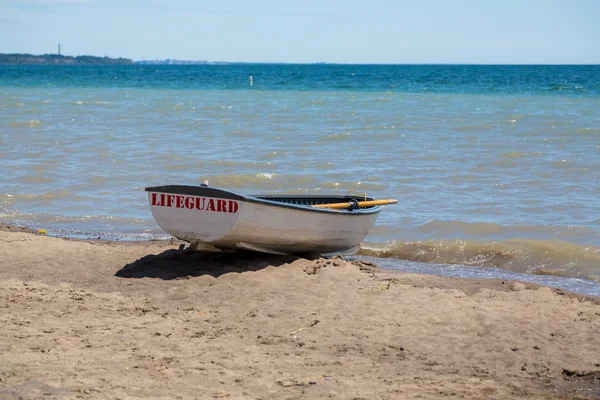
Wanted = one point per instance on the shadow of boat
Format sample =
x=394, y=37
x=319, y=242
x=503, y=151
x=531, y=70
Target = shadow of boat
x=177, y=264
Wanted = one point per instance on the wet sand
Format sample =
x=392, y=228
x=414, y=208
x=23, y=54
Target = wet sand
x=97, y=319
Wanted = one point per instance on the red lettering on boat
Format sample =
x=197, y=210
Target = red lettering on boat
x=179, y=201
x=211, y=205
x=193, y=202
x=170, y=200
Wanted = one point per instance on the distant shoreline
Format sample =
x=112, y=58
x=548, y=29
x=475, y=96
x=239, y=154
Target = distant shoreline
x=58, y=59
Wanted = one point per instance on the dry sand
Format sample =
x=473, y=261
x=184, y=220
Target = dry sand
x=100, y=320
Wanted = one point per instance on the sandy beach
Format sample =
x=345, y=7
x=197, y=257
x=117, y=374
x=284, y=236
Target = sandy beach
x=94, y=319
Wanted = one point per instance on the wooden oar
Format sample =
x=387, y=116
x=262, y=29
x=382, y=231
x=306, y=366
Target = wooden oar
x=352, y=204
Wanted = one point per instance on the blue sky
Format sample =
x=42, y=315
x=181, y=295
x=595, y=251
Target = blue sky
x=305, y=31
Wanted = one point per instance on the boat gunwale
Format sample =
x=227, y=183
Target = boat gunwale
x=202, y=191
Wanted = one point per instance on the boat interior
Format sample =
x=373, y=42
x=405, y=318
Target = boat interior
x=313, y=200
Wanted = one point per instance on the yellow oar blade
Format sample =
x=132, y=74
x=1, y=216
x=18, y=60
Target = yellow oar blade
x=368, y=203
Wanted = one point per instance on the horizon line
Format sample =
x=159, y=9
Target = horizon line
x=191, y=62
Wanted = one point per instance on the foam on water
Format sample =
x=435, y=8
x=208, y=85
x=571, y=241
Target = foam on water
x=587, y=287
x=547, y=257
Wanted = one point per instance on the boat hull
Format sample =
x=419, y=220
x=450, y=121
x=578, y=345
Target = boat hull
x=258, y=223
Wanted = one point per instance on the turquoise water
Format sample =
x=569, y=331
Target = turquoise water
x=493, y=166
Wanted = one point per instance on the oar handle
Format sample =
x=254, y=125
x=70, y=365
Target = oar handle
x=368, y=203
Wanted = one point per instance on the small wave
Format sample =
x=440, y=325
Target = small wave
x=354, y=185
x=31, y=123
x=519, y=154
x=16, y=198
x=36, y=179
x=97, y=226
x=98, y=180
x=474, y=128
x=84, y=102
x=386, y=135
x=263, y=180
x=587, y=131
x=265, y=175
x=505, y=162
x=336, y=137
x=456, y=229
x=562, y=163
x=558, y=87
x=239, y=164
x=271, y=155
x=550, y=257
x=240, y=133
x=57, y=195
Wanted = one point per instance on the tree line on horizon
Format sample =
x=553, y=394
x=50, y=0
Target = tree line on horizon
x=53, y=59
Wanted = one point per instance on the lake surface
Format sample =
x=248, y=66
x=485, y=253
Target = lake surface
x=493, y=166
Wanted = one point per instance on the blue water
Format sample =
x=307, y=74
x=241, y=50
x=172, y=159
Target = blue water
x=454, y=79
x=493, y=166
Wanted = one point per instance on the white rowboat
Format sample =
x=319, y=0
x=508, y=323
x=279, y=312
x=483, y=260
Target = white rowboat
x=275, y=224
